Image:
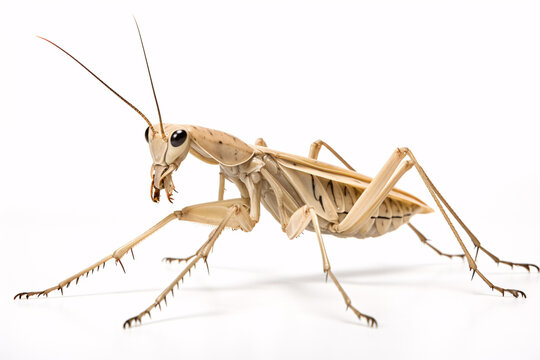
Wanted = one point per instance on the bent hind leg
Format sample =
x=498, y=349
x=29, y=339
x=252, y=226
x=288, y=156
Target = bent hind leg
x=379, y=189
x=425, y=241
x=439, y=199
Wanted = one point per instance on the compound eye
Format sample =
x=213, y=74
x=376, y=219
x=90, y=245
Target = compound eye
x=178, y=138
x=146, y=134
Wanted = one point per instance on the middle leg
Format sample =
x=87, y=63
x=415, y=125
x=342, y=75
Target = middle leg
x=316, y=148
x=298, y=223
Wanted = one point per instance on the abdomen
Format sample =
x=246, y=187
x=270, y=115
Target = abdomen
x=332, y=201
x=389, y=216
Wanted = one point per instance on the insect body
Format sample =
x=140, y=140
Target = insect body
x=301, y=193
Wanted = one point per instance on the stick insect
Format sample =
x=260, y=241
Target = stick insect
x=301, y=193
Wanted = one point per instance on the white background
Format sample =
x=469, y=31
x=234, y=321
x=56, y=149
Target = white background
x=456, y=81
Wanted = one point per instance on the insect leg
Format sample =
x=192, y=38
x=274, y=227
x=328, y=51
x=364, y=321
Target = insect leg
x=509, y=263
x=221, y=191
x=359, y=216
x=316, y=148
x=116, y=255
x=297, y=223
x=379, y=188
x=285, y=202
x=439, y=199
x=473, y=238
x=232, y=212
x=425, y=241
x=213, y=213
x=260, y=142
x=209, y=213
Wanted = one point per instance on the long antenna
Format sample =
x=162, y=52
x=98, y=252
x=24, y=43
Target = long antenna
x=103, y=82
x=151, y=82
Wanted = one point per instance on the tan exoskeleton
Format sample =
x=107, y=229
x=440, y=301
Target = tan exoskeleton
x=301, y=193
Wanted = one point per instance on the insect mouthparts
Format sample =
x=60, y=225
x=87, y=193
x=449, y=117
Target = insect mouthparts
x=162, y=180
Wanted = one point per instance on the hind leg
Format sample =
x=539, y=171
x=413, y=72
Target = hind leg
x=509, y=263
x=425, y=241
x=480, y=247
x=439, y=199
x=379, y=188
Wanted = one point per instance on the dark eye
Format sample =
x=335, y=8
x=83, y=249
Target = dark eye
x=178, y=137
x=146, y=133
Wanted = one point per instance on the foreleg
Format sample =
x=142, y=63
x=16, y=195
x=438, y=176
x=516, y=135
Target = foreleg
x=208, y=213
x=116, y=255
x=235, y=211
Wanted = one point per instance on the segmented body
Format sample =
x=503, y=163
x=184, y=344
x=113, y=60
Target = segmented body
x=287, y=186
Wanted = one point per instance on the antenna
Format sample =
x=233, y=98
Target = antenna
x=151, y=82
x=107, y=86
